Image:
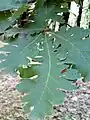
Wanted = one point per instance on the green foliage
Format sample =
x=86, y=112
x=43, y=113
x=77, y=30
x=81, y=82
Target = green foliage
x=11, y=4
x=42, y=90
x=44, y=59
x=48, y=56
x=26, y=71
x=78, y=52
x=8, y=18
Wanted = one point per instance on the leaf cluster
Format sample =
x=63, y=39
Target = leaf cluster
x=44, y=59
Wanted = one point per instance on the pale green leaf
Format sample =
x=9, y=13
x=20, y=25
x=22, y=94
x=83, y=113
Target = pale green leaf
x=11, y=4
x=48, y=56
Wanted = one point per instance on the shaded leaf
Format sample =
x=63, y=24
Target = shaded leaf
x=11, y=4
x=71, y=74
x=8, y=19
x=76, y=47
x=71, y=52
x=48, y=54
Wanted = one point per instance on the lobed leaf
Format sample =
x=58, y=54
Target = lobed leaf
x=46, y=61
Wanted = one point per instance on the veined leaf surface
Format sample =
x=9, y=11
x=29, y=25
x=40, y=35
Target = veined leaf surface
x=45, y=60
x=56, y=58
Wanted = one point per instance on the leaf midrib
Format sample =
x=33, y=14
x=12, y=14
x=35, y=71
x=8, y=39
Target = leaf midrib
x=48, y=75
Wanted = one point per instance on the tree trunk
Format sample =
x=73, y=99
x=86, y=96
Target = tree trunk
x=74, y=12
x=85, y=17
